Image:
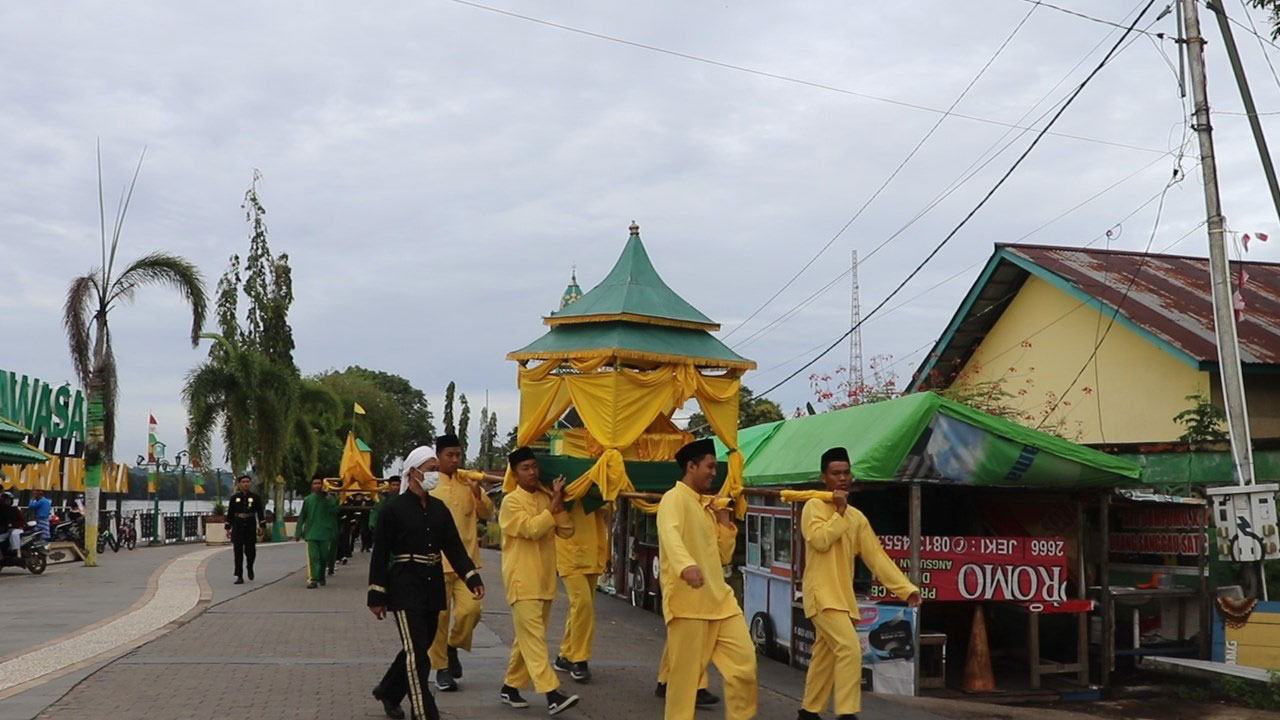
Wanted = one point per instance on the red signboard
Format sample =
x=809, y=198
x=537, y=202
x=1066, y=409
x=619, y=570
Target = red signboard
x=960, y=568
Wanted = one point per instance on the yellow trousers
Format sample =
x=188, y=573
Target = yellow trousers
x=664, y=670
x=465, y=609
x=691, y=644
x=580, y=623
x=529, y=662
x=836, y=654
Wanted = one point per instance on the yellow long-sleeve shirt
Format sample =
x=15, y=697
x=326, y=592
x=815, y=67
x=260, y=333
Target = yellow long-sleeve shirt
x=587, y=551
x=832, y=542
x=688, y=534
x=455, y=492
x=529, y=531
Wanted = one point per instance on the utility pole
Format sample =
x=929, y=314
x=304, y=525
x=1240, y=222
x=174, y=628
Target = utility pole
x=1219, y=268
x=1246, y=97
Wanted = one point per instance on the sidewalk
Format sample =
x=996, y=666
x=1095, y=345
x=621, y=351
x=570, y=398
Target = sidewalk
x=99, y=613
x=286, y=652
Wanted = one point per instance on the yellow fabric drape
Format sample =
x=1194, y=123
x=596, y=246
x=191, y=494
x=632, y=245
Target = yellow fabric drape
x=617, y=406
x=658, y=443
x=354, y=468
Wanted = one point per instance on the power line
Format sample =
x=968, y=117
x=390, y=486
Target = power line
x=981, y=203
x=963, y=93
x=1253, y=28
x=783, y=78
x=1099, y=20
x=964, y=177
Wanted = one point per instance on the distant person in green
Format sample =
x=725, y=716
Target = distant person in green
x=393, y=489
x=318, y=525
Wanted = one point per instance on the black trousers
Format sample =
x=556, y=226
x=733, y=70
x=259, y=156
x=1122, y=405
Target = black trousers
x=245, y=543
x=410, y=672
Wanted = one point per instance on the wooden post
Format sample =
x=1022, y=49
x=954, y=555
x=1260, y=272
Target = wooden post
x=915, y=531
x=1104, y=582
x=1082, y=593
x=1206, y=602
x=1033, y=648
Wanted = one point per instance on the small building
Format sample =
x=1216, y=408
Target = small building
x=1104, y=347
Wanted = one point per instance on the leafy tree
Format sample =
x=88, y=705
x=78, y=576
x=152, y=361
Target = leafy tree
x=90, y=300
x=464, y=422
x=382, y=426
x=1272, y=7
x=489, y=450
x=751, y=411
x=448, y=409
x=415, y=412
x=510, y=445
x=1204, y=421
x=268, y=284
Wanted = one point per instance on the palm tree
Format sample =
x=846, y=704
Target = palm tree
x=90, y=300
x=263, y=410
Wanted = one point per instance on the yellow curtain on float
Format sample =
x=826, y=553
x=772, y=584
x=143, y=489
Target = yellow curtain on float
x=354, y=469
x=616, y=406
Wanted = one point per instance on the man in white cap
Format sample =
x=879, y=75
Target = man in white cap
x=406, y=577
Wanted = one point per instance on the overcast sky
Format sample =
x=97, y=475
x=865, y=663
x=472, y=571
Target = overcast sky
x=434, y=169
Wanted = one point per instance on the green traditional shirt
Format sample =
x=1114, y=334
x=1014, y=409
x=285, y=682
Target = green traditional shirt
x=319, y=518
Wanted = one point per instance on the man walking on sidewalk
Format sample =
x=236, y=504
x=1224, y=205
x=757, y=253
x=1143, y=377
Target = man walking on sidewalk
x=406, y=577
x=245, y=517
x=460, y=491
x=531, y=518
x=834, y=535
x=704, y=622
x=317, y=525
x=580, y=559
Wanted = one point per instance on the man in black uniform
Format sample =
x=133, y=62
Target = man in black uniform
x=407, y=579
x=245, y=515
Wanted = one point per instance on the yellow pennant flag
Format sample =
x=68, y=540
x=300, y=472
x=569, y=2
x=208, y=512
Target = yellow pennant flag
x=357, y=409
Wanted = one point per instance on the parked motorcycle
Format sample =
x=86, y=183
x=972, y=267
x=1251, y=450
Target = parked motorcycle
x=68, y=526
x=33, y=553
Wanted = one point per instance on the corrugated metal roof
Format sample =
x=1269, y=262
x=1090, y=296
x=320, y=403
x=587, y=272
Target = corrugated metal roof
x=1170, y=296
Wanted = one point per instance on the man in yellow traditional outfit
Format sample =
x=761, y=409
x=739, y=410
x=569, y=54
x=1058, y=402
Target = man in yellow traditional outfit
x=460, y=491
x=835, y=534
x=704, y=621
x=531, y=519
x=580, y=559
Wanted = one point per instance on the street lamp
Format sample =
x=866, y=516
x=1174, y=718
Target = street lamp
x=162, y=467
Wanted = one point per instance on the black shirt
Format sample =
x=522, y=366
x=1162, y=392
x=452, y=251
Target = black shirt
x=245, y=513
x=11, y=517
x=405, y=572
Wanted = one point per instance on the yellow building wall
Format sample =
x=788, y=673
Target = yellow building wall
x=1040, y=343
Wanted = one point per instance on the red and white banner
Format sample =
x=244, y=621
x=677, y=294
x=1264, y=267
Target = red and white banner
x=959, y=568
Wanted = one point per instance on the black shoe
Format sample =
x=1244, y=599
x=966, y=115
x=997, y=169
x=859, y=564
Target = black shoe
x=705, y=698
x=846, y=716
x=660, y=691
x=321, y=579
x=251, y=573
x=311, y=586
x=455, y=665
x=806, y=715
x=558, y=702
x=511, y=696
x=580, y=672
x=561, y=664
x=392, y=711
x=330, y=571
x=445, y=681
x=239, y=581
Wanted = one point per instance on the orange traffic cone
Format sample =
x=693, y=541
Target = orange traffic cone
x=977, y=665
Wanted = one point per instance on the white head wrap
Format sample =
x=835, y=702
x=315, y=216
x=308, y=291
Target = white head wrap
x=417, y=458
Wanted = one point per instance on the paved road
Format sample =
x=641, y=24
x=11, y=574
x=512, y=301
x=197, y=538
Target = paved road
x=62, y=626
x=282, y=651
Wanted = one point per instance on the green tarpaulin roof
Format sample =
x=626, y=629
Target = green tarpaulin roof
x=660, y=344
x=9, y=431
x=926, y=437
x=634, y=288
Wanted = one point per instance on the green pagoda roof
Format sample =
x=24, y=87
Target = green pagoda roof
x=572, y=293
x=9, y=431
x=634, y=292
x=635, y=342
x=13, y=451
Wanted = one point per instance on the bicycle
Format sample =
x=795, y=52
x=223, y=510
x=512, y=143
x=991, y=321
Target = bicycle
x=107, y=538
x=129, y=532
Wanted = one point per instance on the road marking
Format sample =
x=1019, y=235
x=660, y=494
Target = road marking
x=177, y=592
